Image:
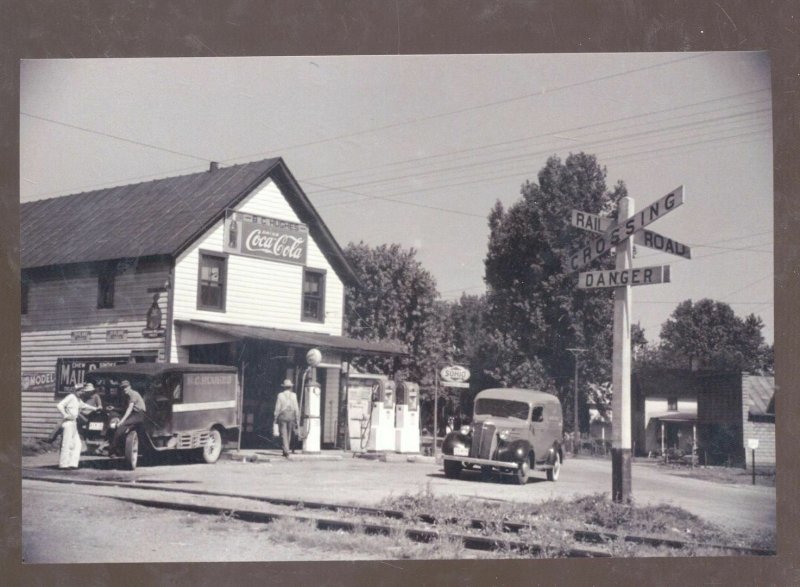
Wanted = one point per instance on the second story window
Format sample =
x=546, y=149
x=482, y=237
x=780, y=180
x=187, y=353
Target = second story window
x=105, y=291
x=211, y=282
x=313, y=296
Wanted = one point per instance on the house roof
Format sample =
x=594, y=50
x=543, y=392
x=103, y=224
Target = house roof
x=760, y=391
x=158, y=217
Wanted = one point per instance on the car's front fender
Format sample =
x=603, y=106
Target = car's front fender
x=514, y=451
x=455, y=439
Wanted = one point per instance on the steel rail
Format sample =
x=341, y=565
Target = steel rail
x=589, y=536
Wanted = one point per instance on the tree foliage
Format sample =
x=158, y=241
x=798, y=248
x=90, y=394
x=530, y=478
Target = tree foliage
x=535, y=310
x=708, y=334
x=397, y=301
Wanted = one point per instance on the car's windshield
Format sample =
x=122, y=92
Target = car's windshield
x=501, y=408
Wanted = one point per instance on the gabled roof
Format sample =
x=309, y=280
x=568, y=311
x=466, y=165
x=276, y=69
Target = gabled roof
x=158, y=217
x=760, y=391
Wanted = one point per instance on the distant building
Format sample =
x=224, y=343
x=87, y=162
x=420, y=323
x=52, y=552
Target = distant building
x=231, y=266
x=719, y=411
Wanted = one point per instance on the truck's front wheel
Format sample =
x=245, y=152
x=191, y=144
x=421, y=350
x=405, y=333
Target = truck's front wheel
x=213, y=447
x=132, y=449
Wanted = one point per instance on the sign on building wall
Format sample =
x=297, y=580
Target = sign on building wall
x=265, y=238
x=38, y=381
x=71, y=371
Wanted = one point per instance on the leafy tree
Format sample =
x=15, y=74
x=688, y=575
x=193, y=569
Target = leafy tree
x=397, y=301
x=536, y=311
x=708, y=334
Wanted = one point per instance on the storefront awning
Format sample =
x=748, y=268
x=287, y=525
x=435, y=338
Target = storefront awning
x=203, y=332
x=686, y=417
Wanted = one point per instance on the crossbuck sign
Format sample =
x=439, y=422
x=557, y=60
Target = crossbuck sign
x=620, y=231
x=622, y=235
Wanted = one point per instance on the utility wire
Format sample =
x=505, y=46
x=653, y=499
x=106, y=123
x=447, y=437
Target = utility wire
x=482, y=148
x=538, y=94
x=116, y=137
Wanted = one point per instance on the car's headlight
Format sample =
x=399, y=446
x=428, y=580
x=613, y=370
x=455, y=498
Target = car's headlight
x=504, y=434
x=465, y=430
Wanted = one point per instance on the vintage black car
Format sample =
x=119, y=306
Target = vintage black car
x=513, y=431
x=189, y=407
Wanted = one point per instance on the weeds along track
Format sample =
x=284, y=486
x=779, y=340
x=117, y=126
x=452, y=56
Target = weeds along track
x=474, y=534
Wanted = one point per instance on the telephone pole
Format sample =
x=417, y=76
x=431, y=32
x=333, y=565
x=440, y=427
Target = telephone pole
x=576, y=430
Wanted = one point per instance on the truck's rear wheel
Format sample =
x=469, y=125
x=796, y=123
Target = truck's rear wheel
x=132, y=449
x=452, y=469
x=213, y=447
x=552, y=473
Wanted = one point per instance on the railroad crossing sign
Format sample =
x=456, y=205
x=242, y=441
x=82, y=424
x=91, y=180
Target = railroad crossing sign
x=613, y=278
x=620, y=231
x=617, y=234
x=646, y=238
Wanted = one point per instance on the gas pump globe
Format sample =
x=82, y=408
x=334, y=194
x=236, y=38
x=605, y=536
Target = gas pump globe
x=407, y=418
x=311, y=404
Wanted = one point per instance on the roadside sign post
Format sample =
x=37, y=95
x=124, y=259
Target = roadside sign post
x=752, y=444
x=621, y=235
x=621, y=368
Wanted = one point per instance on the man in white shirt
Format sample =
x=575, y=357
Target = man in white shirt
x=287, y=415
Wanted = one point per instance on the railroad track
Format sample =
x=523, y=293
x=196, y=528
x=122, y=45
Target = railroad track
x=502, y=536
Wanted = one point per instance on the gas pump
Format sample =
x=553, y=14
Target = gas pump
x=381, y=433
x=406, y=432
x=310, y=405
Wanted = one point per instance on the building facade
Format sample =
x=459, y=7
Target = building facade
x=717, y=412
x=230, y=266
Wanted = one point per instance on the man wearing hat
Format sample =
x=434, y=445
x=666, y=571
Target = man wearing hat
x=287, y=415
x=134, y=414
x=70, y=408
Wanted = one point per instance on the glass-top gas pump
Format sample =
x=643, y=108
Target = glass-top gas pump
x=381, y=434
x=406, y=432
x=310, y=404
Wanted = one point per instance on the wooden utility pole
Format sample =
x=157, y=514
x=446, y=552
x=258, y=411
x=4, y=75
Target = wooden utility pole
x=621, y=377
x=576, y=429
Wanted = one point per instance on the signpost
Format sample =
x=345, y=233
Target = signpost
x=622, y=277
x=450, y=376
x=752, y=444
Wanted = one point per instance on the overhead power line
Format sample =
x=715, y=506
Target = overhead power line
x=538, y=94
x=483, y=148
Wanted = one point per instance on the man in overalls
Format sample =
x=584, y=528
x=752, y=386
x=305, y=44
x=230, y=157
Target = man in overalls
x=287, y=415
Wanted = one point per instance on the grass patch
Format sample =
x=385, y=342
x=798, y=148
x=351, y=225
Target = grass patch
x=550, y=523
x=36, y=446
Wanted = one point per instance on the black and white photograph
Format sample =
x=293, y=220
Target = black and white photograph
x=397, y=307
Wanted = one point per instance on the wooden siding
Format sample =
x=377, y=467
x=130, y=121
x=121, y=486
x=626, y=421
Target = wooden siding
x=258, y=292
x=68, y=298
x=763, y=431
x=62, y=305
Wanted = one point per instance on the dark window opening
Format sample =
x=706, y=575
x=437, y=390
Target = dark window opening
x=314, y=296
x=211, y=283
x=672, y=404
x=105, y=291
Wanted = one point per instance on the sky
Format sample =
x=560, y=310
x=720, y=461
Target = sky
x=416, y=150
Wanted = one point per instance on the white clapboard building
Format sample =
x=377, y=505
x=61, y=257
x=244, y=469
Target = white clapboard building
x=230, y=266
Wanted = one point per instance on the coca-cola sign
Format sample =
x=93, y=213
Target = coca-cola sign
x=265, y=238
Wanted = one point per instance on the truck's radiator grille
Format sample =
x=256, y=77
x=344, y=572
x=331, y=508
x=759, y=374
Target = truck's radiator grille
x=483, y=442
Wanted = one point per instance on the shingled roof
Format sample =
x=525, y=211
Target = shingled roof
x=159, y=217
x=760, y=391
